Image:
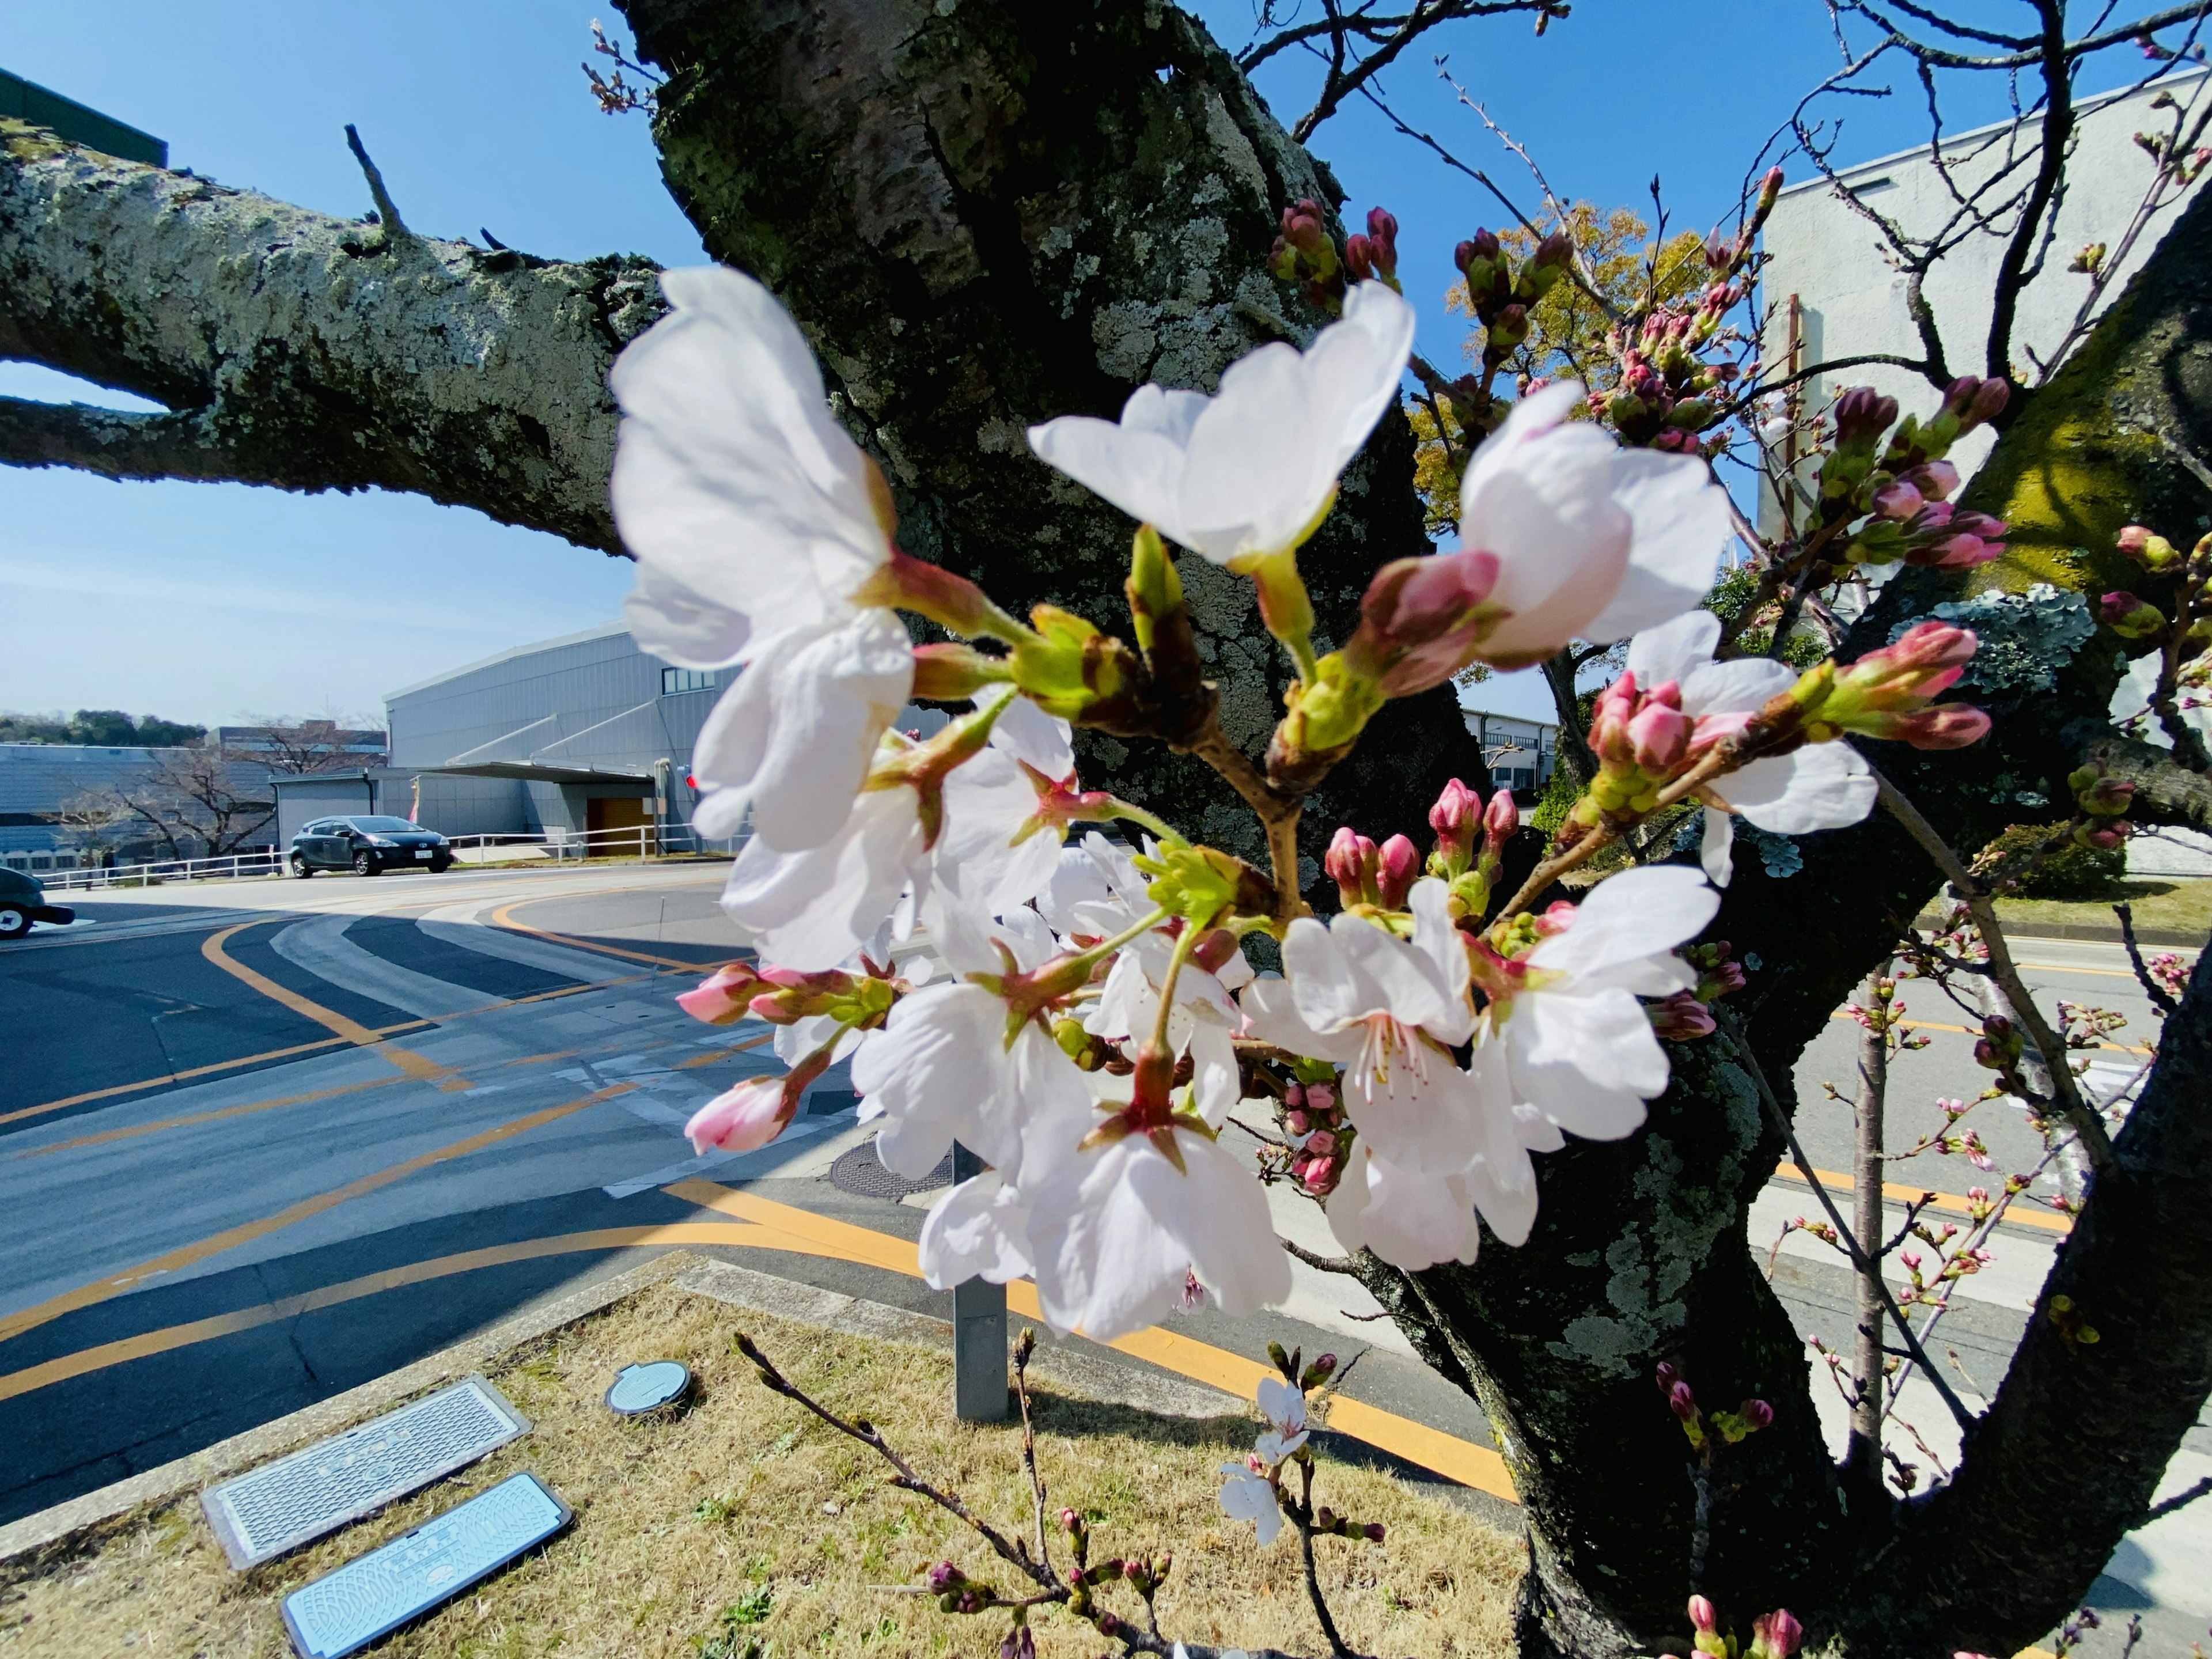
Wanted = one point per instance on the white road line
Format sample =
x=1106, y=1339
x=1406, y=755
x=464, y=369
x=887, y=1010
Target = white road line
x=320, y=946
x=457, y=924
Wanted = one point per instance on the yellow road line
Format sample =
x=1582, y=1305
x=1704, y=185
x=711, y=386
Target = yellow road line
x=132, y=1131
x=1447, y=1454
x=761, y=1224
x=185, y=1255
x=197, y=1070
x=149, y=1343
x=1976, y=1030
x=406, y=1060
x=504, y=917
x=1897, y=1192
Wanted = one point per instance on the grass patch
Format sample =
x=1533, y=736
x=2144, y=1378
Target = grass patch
x=2183, y=907
x=744, y=1526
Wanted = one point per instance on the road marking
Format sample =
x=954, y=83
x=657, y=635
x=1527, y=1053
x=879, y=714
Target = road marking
x=799, y=1232
x=131, y=1132
x=184, y=1255
x=197, y=1070
x=2025, y=1214
x=1431, y=1448
x=504, y=917
x=406, y=1060
x=146, y=1344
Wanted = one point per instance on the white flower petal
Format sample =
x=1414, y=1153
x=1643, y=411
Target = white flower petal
x=1412, y=1220
x=1734, y=686
x=1272, y=1015
x=1713, y=854
x=1637, y=913
x=1673, y=650
x=1823, y=786
x=1588, y=1063
x=1682, y=523
x=812, y=910
x=979, y=1230
x=677, y=625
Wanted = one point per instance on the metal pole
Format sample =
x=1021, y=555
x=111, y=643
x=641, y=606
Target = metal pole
x=979, y=1331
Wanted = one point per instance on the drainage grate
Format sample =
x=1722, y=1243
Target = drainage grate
x=861, y=1174
x=380, y=1591
x=281, y=1505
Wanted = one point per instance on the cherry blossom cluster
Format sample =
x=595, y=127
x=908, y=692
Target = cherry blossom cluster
x=1255, y=1489
x=1077, y=1009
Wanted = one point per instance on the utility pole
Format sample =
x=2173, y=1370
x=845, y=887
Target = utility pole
x=979, y=1331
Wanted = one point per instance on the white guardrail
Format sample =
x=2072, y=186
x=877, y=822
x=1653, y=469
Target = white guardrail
x=641, y=841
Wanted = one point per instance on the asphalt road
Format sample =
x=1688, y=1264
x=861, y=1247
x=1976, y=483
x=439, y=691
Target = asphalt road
x=262, y=1141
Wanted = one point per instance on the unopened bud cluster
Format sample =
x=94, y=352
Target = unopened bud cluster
x=1320, y=1138
x=1891, y=476
x=1704, y=1429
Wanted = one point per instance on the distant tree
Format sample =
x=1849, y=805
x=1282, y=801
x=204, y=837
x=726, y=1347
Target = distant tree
x=93, y=822
x=105, y=728
x=197, y=801
x=292, y=747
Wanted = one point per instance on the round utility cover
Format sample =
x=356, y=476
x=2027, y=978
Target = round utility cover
x=647, y=1388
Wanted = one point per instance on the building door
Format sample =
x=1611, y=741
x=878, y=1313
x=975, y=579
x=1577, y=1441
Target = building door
x=604, y=817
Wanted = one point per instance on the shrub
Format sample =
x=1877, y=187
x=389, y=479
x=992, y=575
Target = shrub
x=2071, y=872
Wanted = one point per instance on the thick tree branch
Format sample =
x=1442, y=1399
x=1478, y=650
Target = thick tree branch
x=303, y=352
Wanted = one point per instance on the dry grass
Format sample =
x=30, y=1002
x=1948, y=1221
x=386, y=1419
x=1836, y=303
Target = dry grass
x=2182, y=905
x=746, y=1504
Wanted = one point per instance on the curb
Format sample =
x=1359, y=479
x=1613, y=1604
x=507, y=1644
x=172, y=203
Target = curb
x=2096, y=933
x=66, y=1521
x=1112, y=1382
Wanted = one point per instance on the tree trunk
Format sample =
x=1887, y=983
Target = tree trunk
x=990, y=213
x=985, y=214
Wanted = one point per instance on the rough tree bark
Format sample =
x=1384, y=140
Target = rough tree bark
x=985, y=213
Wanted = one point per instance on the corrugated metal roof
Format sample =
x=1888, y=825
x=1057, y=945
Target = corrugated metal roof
x=599, y=631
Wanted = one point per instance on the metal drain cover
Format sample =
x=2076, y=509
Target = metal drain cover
x=861, y=1174
x=366, y=1598
x=283, y=1505
x=647, y=1388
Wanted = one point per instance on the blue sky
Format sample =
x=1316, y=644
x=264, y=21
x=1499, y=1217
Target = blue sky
x=205, y=602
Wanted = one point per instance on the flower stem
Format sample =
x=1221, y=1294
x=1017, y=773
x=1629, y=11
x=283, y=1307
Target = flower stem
x=1185, y=942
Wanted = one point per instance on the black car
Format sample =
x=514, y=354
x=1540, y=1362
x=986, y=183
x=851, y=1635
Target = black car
x=368, y=846
x=23, y=901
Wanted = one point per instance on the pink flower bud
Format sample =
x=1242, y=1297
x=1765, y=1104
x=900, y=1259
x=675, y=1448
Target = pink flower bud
x=1398, y=866
x=1660, y=732
x=1421, y=620
x=946, y=1577
x=1321, y=1143
x=1946, y=725
x=721, y=997
x=1679, y=1018
x=1668, y=1373
x=1861, y=415
x=1321, y=1096
x=744, y=1118
x=1296, y=1122
x=1702, y=1614
x=1935, y=480
x=1501, y=819
x=1070, y=1519
x=1682, y=1402
x=1383, y=232
x=1758, y=1414
x=1954, y=553
x=1776, y=1635
x=1320, y=1175
x=1453, y=819
x=1350, y=862
x=1374, y=1532
x=2130, y=617
x=1897, y=500
x=1359, y=257
x=1609, y=718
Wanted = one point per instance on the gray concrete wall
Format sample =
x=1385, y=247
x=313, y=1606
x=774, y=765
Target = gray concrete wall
x=1827, y=253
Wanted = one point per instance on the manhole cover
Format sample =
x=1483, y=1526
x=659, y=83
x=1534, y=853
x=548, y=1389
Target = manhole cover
x=281, y=1505
x=378, y=1592
x=860, y=1173
x=641, y=1389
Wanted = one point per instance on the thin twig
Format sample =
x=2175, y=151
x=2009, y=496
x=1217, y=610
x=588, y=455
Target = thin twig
x=2160, y=1511
x=1780, y=1118
x=387, y=210
x=1024, y=1346
x=1328, y=1264
x=2157, y=993
x=1303, y=1516
x=2086, y=1123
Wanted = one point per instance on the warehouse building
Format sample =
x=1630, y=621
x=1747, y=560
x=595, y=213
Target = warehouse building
x=572, y=737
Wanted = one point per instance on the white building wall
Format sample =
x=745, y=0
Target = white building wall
x=1826, y=252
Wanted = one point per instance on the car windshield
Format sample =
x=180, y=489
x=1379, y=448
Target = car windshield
x=383, y=826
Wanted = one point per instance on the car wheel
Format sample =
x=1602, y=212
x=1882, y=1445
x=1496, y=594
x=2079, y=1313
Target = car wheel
x=300, y=867
x=439, y=866
x=13, y=922
x=364, y=864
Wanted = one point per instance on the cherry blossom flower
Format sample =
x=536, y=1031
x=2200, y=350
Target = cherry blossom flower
x=1578, y=1045
x=756, y=523
x=1284, y=1405
x=1250, y=472
x=1121, y=1220
x=1390, y=1011
x=1415, y=1218
x=1249, y=1495
x=1821, y=786
x=1202, y=1023
x=1592, y=541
